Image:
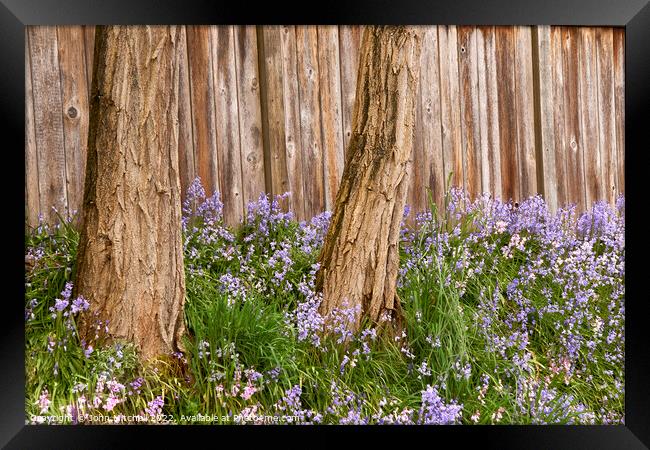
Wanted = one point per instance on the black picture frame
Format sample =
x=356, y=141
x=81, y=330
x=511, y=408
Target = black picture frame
x=634, y=15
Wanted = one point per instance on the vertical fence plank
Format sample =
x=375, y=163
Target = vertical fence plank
x=349, y=43
x=273, y=101
x=292, y=121
x=428, y=164
x=32, y=205
x=524, y=106
x=89, y=45
x=573, y=147
x=450, y=105
x=619, y=100
x=202, y=101
x=604, y=55
x=74, y=109
x=469, y=106
x=48, y=121
x=488, y=111
x=229, y=159
x=560, y=146
x=547, y=130
x=185, y=140
x=250, y=114
x=592, y=152
x=330, y=106
x=310, y=131
x=505, y=41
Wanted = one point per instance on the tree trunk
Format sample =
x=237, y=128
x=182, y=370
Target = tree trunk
x=360, y=258
x=130, y=259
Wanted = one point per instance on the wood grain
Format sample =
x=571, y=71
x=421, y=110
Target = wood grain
x=273, y=101
x=249, y=111
x=270, y=108
x=524, y=107
x=89, y=45
x=488, y=111
x=545, y=67
x=331, y=111
x=292, y=121
x=606, y=112
x=505, y=54
x=310, y=112
x=450, y=105
x=74, y=97
x=619, y=100
x=48, y=120
x=349, y=41
x=202, y=99
x=561, y=142
x=428, y=165
x=592, y=150
x=227, y=117
x=469, y=106
x=32, y=203
x=186, y=164
x=573, y=147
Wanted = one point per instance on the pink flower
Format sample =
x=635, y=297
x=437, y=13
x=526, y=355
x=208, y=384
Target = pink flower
x=111, y=402
x=44, y=401
x=249, y=390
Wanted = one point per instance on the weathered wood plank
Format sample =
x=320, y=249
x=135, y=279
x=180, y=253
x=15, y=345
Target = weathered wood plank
x=273, y=100
x=588, y=109
x=488, y=111
x=74, y=109
x=505, y=59
x=250, y=114
x=32, y=204
x=349, y=42
x=202, y=100
x=619, y=100
x=292, y=120
x=417, y=167
x=227, y=118
x=469, y=106
x=330, y=106
x=524, y=106
x=604, y=56
x=428, y=164
x=48, y=120
x=573, y=146
x=450, y=105
x=310, y=130
x=560, y=146
x=186, y=165
x=545, y=67
x=89, y=44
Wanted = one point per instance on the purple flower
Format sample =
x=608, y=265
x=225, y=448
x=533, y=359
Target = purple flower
x=154, y=407
x=79, y=304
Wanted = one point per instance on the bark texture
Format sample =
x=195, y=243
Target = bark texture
x=360, y=258
x=130, y=259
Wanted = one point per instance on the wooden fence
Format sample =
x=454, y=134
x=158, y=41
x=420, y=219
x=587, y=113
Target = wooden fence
x=512, y=111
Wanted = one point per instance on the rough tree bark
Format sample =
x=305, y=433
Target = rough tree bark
x=360, y=258
x=130, y=259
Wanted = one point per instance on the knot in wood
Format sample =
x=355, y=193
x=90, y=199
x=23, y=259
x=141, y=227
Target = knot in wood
x=72, y=112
